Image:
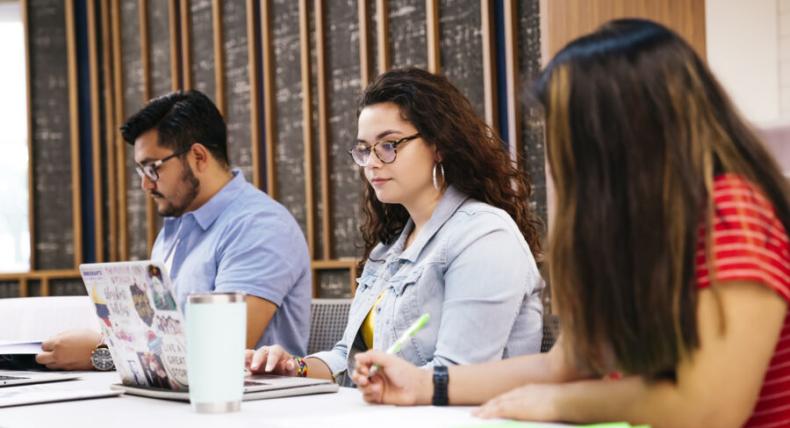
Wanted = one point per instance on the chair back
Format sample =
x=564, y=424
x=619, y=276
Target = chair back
x=328, y=319
x=551, y=329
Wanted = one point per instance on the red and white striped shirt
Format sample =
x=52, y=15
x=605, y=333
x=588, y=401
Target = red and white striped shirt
x=750, y=244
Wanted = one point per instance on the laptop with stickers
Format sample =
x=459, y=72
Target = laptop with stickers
x=144, y=330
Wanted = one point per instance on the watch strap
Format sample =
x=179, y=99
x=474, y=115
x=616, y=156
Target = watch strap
x=441, y=379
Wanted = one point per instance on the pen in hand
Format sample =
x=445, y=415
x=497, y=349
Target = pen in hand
x=403, y=339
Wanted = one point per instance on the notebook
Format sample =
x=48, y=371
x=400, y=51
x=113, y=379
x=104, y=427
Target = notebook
x=14, y=377
x=144, y=330
x=37, y=394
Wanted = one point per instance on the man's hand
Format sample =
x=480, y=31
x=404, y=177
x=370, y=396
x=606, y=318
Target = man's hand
x=69, y=350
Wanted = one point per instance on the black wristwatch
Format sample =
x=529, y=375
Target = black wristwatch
x=440, y=380
x=102, y=359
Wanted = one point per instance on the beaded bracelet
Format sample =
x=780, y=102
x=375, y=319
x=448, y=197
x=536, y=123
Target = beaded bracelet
x=301, y=367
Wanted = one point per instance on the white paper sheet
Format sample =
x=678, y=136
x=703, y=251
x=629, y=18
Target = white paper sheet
x=20, y=347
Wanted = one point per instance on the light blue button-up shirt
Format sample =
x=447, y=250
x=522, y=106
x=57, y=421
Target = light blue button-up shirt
x=242, y=240
x=470, y=269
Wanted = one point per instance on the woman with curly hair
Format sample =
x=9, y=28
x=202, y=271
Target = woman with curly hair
x=448, y=231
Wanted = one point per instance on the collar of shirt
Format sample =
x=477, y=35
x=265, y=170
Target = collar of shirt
x=451, y=200
x=206, y=214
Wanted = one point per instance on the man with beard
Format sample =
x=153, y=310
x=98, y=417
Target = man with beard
x=220, y=232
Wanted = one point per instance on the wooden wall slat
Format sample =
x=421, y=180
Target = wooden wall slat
x=175, y=63
x=432, y=36
x=219, y=74
x=76, y=196
x=269, y=103
x=364, y=44
x=383, y=30
x=253, y=50
x=489, y=63
x=23, y=288
x=511, y=62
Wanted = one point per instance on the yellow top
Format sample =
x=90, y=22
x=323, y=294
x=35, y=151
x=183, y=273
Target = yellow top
x=369, y=323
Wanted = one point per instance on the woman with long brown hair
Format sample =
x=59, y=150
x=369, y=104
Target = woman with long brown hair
x=448, y=231
x=668, y=256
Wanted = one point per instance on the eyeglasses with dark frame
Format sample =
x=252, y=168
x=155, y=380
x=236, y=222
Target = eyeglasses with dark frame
x=151, y=169
x=386, y=150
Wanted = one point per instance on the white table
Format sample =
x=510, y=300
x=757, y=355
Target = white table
x=344, y=409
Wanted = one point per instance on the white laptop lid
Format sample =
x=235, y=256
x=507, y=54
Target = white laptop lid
x=141, y=321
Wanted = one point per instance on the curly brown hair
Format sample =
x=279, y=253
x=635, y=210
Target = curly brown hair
x=473, y=156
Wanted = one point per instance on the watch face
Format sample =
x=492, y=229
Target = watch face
x=102, y=359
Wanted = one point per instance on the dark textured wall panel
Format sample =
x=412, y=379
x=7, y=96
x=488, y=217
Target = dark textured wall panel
x=333, y=284
x=343, y=91
x=159, y=48
x=53, y=227
x=9, y=289
x=67, y=287
x=288, y=146
x=531, y=118
x=160, y=53
x=461, y=48
x=237, y=85
x=132, y=102
x=407, y=41
x=201, y=44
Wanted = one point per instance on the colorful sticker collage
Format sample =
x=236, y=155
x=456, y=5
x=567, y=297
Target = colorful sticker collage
x=142, y=324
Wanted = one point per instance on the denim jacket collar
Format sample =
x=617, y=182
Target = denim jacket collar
x=451, y=200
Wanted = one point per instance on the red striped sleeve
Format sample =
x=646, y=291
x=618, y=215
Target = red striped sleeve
x=749, y=243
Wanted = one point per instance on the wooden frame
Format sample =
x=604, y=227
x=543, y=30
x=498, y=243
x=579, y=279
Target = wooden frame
x=252, y=75
x=432, y=35
x=489, y=63
x=43, y=276
x=514, y=128
x=74, y=135
x=123, y=218
x=383, y=28
x=23, y=5
x=98, y=225
x=186, y=53
x=269, y=100
x=323, y=132
x=364, y=44
x=219, y=68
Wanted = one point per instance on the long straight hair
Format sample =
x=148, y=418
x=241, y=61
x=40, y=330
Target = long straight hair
x=637, y=130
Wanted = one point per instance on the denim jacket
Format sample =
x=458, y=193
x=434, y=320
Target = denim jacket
x=470, y=269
